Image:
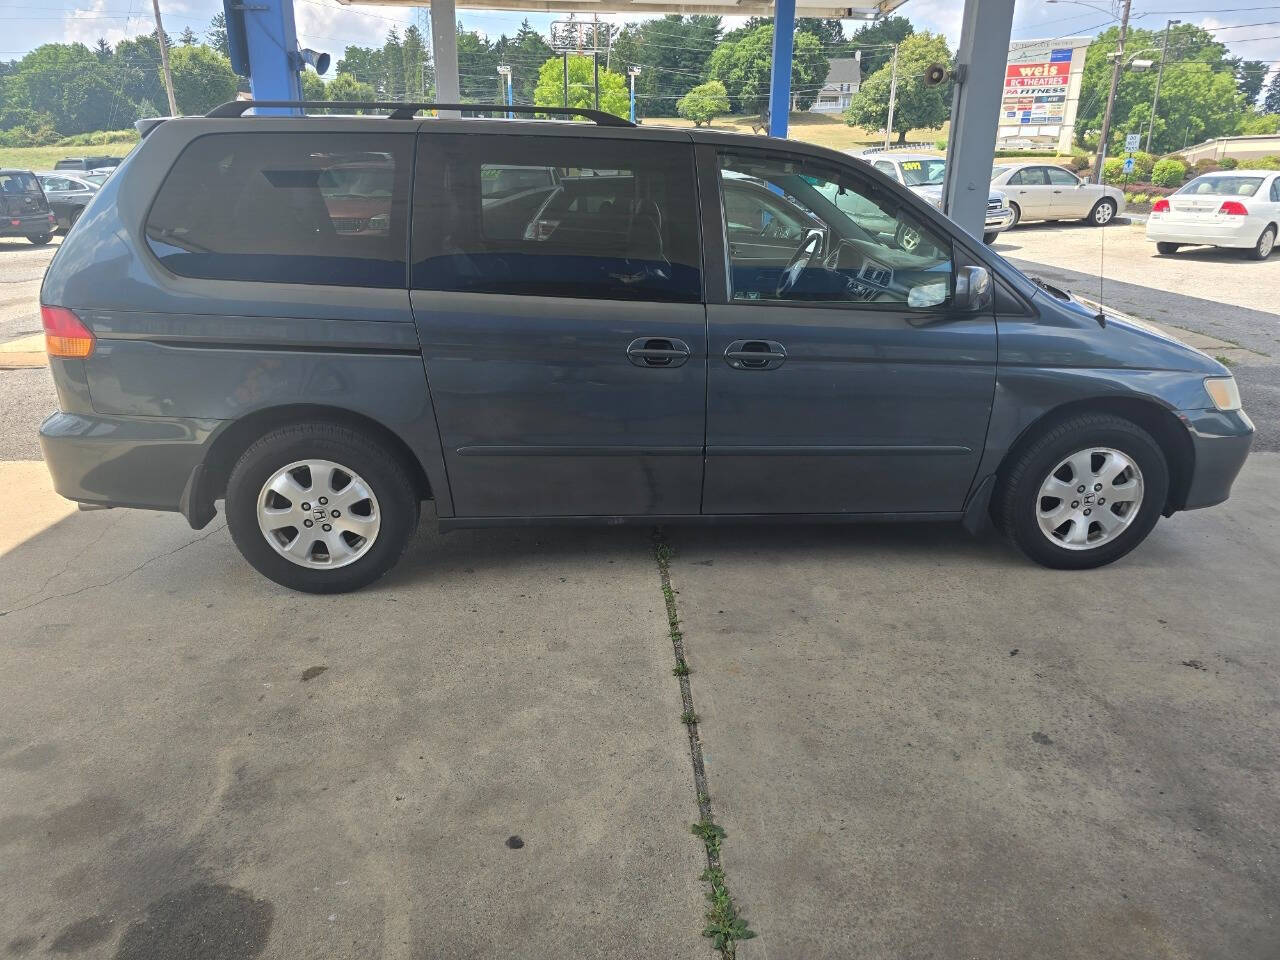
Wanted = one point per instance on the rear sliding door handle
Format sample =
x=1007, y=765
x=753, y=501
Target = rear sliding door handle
x=657, y=352
x=755, y=354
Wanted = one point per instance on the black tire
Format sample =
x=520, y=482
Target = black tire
x=1265, y=245
x=1097, y=217
x=379, y=467
x=990, y=238
x=1017, y=215
x=1167, y=249
x=1017, y=495
x=40, y=239
x=75, y=215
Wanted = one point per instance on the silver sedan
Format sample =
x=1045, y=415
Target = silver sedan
x=1044, y=191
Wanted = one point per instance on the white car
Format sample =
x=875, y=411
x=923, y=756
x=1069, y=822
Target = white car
x=1231, y=208
x=1044, y=191
x=922, y=174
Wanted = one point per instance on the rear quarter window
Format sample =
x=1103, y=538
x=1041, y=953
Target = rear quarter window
x=315, y=208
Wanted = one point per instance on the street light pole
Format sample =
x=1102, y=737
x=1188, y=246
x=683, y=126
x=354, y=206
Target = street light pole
x=1164, y=52
x=1116, y=67
x=504, y=73
x=633, y=72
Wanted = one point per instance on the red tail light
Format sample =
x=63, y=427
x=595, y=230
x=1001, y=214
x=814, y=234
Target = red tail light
x=1233, y=208
x=1160, y=206
x=65, y=334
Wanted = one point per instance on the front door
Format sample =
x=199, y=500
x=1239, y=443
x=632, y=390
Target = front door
x=1029, y=189
x=1069, y=196
x=557, y=292
x=844, y=382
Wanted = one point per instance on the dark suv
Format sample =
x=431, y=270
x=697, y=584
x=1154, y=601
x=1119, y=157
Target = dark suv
x=328, y=320
x=24, y=208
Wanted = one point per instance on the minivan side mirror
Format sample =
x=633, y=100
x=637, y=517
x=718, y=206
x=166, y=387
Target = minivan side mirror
x=973, y=290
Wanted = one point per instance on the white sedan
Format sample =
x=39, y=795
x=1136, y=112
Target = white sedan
x=1236, y=208
x=1044, y=191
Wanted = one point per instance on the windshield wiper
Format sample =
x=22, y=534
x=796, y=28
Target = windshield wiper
x=1050, y=288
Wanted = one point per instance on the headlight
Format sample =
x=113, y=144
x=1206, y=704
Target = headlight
x=1223, y=392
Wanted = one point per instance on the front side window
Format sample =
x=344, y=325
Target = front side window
x=556, y=217
x=1061, y=178
x=1275, y=190
x=314, y=208
x=823, y=235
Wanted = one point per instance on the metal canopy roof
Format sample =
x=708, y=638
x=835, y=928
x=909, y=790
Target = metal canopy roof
x=860, y=10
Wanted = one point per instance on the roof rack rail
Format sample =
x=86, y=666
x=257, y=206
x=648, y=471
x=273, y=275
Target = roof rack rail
x=407, y=111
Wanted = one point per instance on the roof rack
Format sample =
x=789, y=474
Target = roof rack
x=407, y=111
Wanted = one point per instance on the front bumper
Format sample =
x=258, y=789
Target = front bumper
x=124, y=461
x=997, y=220
x=1221, y=444
x=32, y=226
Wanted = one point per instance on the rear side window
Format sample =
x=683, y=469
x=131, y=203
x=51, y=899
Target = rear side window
x=556, y=217
x=12, y=183
x=315, y=208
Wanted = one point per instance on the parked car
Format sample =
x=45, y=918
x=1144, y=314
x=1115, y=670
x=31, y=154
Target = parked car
x=87, y=163
x=68, y=195
x=1237, y=208
x=24, y=209
x=1043, y=191
x=923, y=173
x=622, y=351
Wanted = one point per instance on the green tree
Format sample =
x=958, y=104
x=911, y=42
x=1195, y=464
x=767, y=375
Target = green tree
x=364, y=64
x=216, y=35
x=477, y=68
x=417, y=64
x=393, y=66
x=68, y=83
x=550, y=89
x=1199, y=94
x=1271, y=103
x=876, y=41
x=916, y=106
x=313, y=87
x=345, y=87
x=188, y=38
x=102, y=50
x=1250, y=75
x=744, y=65
x=671, y=53
x=202, y=78
x=524, y=53
x=704, y=103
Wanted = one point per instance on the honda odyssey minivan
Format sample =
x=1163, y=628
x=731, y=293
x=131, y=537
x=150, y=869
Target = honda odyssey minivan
x=325, y=321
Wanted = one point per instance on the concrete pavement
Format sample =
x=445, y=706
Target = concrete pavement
x=920, y=746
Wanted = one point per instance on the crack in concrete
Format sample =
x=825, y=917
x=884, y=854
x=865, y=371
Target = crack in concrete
x=114, y=580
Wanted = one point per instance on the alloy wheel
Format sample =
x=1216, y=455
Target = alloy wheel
x=1103, y=212
x=318, y=514
x=1089, y=498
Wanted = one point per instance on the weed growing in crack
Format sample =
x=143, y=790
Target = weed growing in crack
x=725, y=926
x=688, y=718
x=681, y=669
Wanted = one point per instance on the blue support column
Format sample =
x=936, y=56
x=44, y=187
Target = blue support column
x=784, y=35
x=272, y=42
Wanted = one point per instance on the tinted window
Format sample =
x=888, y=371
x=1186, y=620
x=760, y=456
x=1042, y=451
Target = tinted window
x=556, y=216
x=1275, y=190
x=1060, y=177
x=287, y=207
x=824, y=235
x=18, y=183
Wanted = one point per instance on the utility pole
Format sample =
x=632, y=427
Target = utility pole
x=595, y=63
x=566, y=78
x=1116, y=67
x=1164, y=53
x=893, y=95
x=632, y=73
x=164, y=60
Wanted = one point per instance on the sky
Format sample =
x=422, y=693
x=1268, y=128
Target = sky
x=1250, y=28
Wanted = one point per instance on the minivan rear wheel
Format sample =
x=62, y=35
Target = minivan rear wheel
x=318, y=508
x=40, y=239
x=1084, y=493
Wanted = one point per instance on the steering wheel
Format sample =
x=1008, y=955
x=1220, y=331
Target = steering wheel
x=800, y=260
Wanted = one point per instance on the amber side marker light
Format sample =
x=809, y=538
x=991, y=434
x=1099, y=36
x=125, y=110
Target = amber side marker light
x=65, y=334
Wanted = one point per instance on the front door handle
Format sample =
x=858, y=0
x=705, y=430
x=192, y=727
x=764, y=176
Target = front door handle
x=755, y=354
x=657, y=352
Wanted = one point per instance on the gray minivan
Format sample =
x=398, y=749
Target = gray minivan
x=325, y=321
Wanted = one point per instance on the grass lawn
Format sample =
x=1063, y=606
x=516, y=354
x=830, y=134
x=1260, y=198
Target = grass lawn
x=43, y=158
x=822, y=129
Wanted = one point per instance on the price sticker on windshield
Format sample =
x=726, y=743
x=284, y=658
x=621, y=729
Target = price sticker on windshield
x=911, y=165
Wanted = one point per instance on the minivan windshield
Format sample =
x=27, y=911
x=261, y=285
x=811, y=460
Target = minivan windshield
x=924, y=173
x=1222, y=185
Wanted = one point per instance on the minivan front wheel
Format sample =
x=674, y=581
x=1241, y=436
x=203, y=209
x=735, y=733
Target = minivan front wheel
x=318, y=508
x=1084, y=493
